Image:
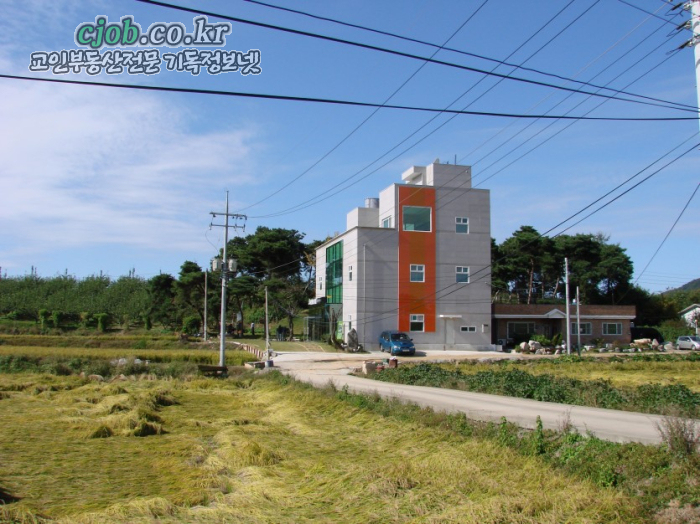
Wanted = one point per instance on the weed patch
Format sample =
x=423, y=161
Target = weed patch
x=647, y=398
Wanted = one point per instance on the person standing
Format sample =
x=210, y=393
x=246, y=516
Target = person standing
x=252, y=329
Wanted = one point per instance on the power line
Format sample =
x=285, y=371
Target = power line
x=669, y=233
x=329, y=192
x=318, y=198
x=393, y=52
x=466, y=53
x=560, y=102
x=337, y=101
x=665, y=20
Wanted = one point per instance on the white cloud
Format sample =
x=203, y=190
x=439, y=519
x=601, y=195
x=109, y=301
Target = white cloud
x=87, y=166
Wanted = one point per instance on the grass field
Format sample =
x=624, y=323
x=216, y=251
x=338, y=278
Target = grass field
x=261, y=450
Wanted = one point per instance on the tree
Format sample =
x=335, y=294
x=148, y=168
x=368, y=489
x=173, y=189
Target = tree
x=522, y=260
x=161, y=297
x=289, y=297
x=269, y=253
x=189, y=290
x=532, y=267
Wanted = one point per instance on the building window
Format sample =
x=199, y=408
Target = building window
x=462, y=273
x=586, y=328
x=320, y=283
x=520, y=329
x=417, y=273
x=417, y=322
x=349, y=273
x=334, y=273
x=461, y=225
x=468, y=329
x=386, y=223
x=612, y=329
x=416, y=218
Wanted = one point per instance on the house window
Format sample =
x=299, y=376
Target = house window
x=416, y=218
x=417, y=322
x=462, y=273
x=417, y=273
x=612, y=329
x=461, y=225
x=468, y=329
x=349, y=273
x=520, y=328
x=586, y=328
x=320, y=283
x=386, y=223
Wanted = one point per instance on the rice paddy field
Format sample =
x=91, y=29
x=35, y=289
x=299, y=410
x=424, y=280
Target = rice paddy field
x=160, y=443
x=259, y=450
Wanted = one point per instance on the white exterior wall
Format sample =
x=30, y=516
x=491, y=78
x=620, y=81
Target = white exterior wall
x=362, y=217
x=377, y=283
x=321, y=272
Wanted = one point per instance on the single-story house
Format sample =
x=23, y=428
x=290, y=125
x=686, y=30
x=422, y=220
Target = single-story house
x=514, y=323
x=691, y=316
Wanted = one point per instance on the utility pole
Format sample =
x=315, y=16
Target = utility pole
x=267, y=328
x=578, y=324
x=568, y=315
x=695, y=25
x=227, y=267
x=206, y=296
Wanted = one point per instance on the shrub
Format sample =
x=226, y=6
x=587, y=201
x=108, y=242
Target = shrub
x=191, y=324
x=85, y=318
x=681, y=435
x=102, y=321
x=542, y=340
x=43, y=317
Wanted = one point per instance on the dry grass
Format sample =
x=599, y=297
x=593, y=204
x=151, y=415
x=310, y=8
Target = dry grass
x=256, y=451
x=626, y=373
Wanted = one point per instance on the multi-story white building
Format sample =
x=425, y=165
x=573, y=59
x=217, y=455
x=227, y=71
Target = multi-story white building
x=417, y=259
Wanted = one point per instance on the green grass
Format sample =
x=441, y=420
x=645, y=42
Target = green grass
x=266, y=449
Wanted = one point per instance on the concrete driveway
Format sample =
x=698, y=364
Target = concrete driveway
x=608, y=424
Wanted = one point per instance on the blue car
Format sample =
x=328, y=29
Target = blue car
x=396, y=343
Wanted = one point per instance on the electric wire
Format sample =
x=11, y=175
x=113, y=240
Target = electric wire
x=395, y=52
x=604, y=53
x=459, y=51
x=347, y=182
x=334, y=101
x=666, y=20
x=669, y=233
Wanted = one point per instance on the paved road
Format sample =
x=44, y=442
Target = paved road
x=608, y=424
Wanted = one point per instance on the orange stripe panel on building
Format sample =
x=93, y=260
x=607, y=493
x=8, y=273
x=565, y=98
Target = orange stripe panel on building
x=416, y=247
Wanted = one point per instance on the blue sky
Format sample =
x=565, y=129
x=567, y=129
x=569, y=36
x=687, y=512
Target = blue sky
x=102, y=179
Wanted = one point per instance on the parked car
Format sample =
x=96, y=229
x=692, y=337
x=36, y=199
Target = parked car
x=689, y=342
x=396, y=343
